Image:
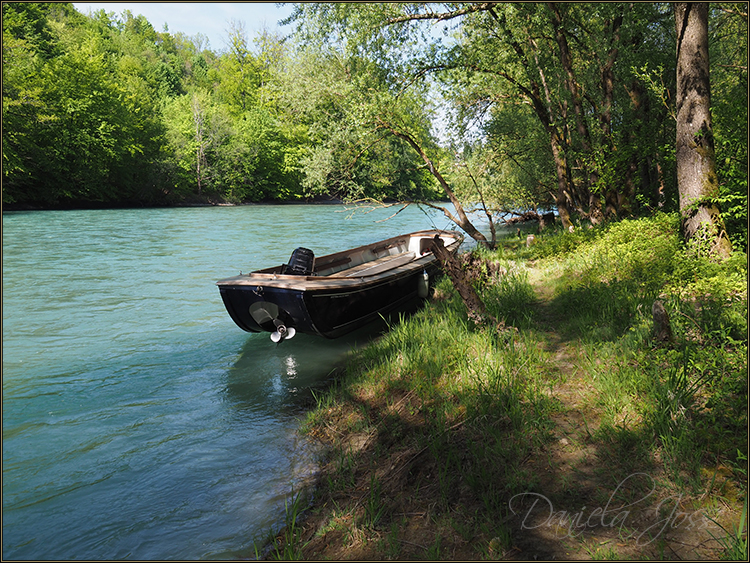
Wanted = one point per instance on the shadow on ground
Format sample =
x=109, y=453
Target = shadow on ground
x=406, y=482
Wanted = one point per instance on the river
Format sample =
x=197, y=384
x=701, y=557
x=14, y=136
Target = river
x=139, y=422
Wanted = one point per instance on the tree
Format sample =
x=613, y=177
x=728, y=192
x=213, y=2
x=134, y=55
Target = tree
x=568, y=63
x=200, y=139
x=80, y=118
x=728, y=25
x=373, y=115
x=332, y=100
x=697, y=181
x=239, y=71
x=460, y=218
x=23, y=109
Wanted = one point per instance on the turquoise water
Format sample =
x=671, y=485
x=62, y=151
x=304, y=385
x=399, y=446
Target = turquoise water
x=138, y=421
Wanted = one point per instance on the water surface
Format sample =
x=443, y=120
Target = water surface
x=138, y=420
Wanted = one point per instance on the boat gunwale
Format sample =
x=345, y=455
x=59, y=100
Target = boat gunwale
x=270, y=279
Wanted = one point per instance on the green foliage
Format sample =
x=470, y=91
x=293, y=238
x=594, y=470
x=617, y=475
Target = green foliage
x=506, y=291
x=83, y=98
x=493, y=383
x=105, y=110
x=286, y=546
x=240, y=160
x=691, y=392
x=734, y=542
x=593, y=83
x=627, y=265
x=728, y=47
x=697, y=395
x=27, y=21
x=476, y=411
x=510, y=173
x=540, y=76
x=563, y=242
x=22, y=109
x=350, y=155
x=240, y=80
x=81, y=124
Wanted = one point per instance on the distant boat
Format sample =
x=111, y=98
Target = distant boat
x=337, y=293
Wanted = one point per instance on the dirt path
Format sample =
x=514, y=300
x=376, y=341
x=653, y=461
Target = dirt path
x=593, y=501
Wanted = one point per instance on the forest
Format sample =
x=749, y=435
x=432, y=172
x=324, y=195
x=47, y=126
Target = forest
x=506, y=108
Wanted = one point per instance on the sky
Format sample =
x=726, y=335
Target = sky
x=209, y=18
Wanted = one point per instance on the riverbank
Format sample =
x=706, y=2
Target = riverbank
x=573, y=434
x=204, y=202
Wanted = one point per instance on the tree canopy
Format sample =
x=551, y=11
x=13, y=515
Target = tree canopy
x=509, y=107
x=104, y=110
x=574, y=104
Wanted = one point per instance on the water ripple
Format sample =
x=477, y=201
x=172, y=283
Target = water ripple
x=138, y=420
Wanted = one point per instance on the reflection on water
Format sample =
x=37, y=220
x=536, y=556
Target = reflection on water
x=283, y=375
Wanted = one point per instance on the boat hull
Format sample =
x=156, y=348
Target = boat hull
x=325, y=312
x=326, y=306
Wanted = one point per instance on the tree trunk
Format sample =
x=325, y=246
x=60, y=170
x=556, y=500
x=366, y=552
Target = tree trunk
x=493, y=232
x=533, y=92
x=697, y=182
x=614, y=199
x=475, y=308
x=593, y=200
x=544, y=113
x=662, y=328
x=562, y=197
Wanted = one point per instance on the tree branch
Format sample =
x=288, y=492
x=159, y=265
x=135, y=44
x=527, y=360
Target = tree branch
x=470, y=9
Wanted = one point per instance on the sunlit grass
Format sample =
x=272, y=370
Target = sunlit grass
x=456, y=412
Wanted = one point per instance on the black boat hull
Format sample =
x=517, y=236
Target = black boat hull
x=327, y=312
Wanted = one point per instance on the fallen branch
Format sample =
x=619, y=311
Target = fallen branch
x=474, y=305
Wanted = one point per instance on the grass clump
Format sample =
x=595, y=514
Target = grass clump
x=455, y=412
x=438, y=425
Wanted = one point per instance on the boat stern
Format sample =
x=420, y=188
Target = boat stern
x=281, y=312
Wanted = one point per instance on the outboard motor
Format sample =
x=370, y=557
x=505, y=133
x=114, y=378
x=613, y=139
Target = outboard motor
x=301, y=263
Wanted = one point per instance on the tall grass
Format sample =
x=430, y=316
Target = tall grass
x=286, y=545
x=612, y=278
x=469, y=405
x=457, y=410
x=688, y=397
x=734, y=542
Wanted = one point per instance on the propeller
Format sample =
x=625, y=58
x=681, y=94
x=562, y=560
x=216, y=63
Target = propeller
x=282, y=332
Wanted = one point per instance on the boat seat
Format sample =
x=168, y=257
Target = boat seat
x=377, y=266
x=334, y=266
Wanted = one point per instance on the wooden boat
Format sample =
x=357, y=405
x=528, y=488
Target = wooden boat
x=337, y=293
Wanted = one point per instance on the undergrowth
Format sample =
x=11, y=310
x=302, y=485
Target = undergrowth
x=444, y=418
